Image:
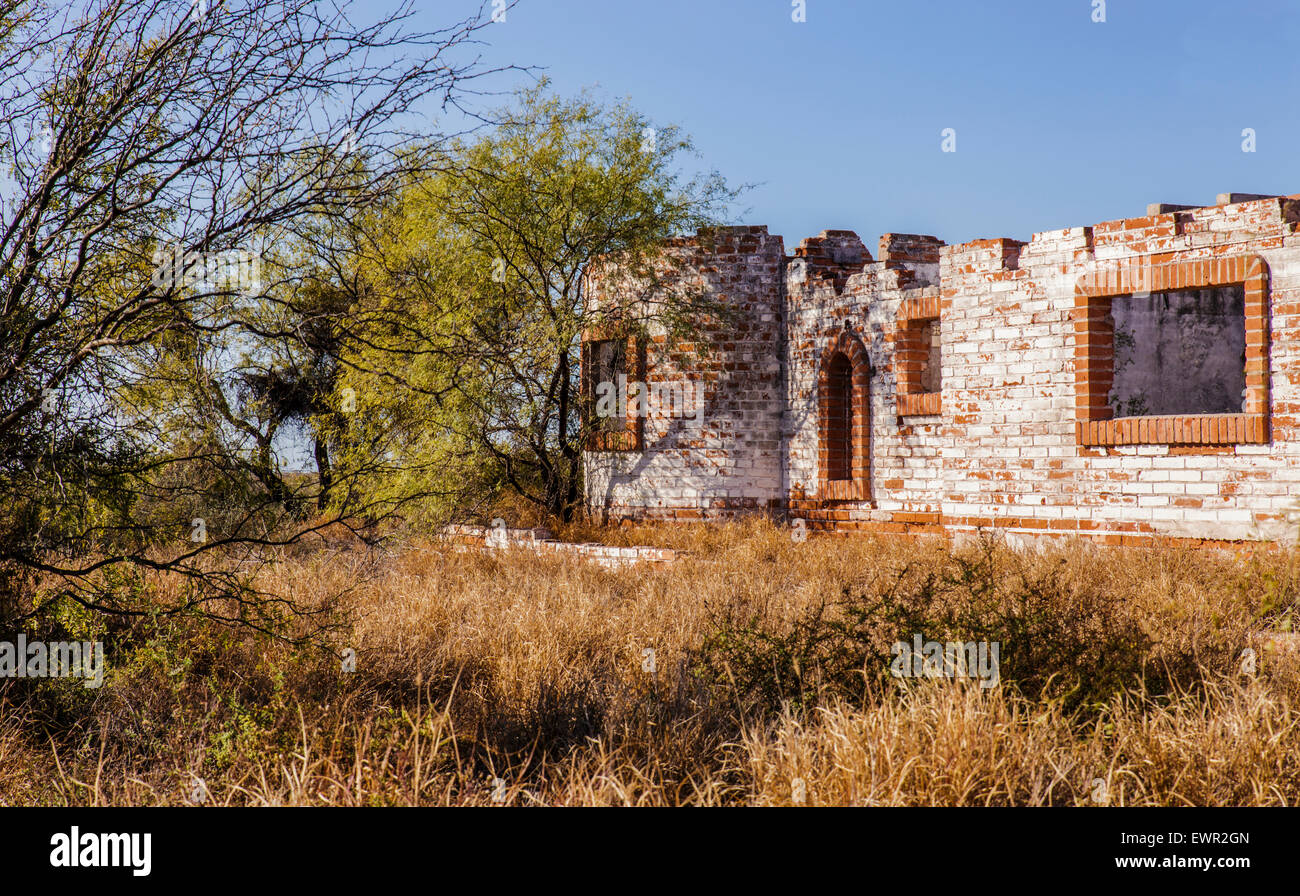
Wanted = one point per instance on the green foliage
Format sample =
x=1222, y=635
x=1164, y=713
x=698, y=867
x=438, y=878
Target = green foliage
x=146, y=371
x=1057, y=641
x=465, y=370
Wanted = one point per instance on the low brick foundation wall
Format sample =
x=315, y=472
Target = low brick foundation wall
x=543, y=542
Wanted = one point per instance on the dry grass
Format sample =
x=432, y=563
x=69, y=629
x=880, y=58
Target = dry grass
x=510, y=678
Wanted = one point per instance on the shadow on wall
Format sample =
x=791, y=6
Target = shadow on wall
x=677, y=437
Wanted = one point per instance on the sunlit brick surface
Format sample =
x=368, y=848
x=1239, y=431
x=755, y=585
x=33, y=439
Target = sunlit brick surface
x=1021, y=436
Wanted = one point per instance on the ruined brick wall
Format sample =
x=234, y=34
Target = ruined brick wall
x=827, y=304
x=1022, y=435
x=730, y=459
x=1018, y=452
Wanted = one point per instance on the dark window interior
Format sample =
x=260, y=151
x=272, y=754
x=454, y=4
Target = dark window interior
x=1180, y=352
x=839, y=432
x=933, y=364
x=606, y=361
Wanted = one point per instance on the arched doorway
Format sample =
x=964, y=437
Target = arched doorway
x=844, y=423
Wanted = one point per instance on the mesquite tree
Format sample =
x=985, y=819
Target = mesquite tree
x=159, y=153
x=474, y=304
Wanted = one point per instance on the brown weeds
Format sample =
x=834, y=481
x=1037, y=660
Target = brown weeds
x=752, y=671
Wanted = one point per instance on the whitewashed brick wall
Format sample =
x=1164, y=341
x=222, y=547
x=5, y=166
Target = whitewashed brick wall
x=1004, y=451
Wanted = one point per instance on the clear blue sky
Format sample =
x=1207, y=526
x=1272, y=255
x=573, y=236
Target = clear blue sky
x=1060, y=121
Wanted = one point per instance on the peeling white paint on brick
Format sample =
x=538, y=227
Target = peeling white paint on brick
x=1004, y=448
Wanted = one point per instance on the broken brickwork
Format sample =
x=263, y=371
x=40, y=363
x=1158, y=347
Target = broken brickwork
x=1134, y=378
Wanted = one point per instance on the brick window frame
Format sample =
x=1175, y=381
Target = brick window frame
x=1094, y=335
x=857, y=487
x=911, y=355
x=631, y=437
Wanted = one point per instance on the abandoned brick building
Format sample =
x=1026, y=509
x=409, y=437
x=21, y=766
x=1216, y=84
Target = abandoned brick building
x=1138, y=377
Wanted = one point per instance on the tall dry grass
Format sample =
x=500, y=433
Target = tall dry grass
x=508, y=678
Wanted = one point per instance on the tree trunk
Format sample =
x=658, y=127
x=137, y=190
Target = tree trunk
x=324, y=474
x=562, y=489
x=264, y=469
